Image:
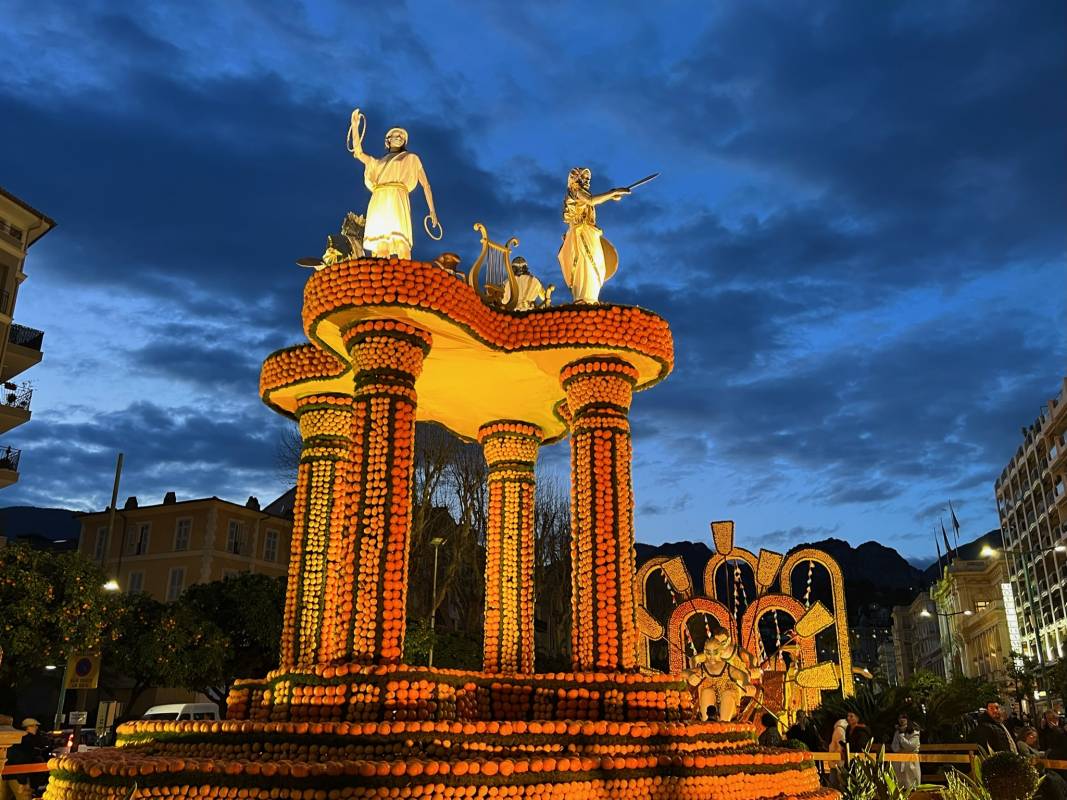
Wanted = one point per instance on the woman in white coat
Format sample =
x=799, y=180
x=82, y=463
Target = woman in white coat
x=906, y=740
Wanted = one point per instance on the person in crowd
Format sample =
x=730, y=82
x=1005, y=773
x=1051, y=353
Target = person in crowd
x=39, y=745
x=839, y=736
x=1027, y=743
x=1053, y=786
x=770, y=736
x=906, y=740
x=1055, y=740
x=990, y=732
x=858, y=735
x=712, y=713
x=804, y=731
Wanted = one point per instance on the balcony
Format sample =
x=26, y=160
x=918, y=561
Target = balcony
x=9, y=465
x=14, y=405
x=23, y=350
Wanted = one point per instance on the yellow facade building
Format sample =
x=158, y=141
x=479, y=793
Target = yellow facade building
x=163, y=549
x=977, y=616
x=20, y=347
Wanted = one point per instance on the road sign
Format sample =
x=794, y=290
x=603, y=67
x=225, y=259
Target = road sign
x=78, y=717
x=83, y=672
x=106, y=713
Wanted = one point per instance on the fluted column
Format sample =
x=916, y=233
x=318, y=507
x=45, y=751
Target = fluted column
x=369, y=570
x=603, y=626
x=318, y=523
x=510, y=449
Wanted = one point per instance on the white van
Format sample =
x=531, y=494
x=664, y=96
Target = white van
x=183, y=711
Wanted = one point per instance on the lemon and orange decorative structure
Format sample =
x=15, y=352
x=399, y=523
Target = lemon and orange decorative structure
x=792, y=677
x=393, y=342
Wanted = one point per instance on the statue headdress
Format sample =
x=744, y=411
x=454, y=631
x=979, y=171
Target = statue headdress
x=401, y=131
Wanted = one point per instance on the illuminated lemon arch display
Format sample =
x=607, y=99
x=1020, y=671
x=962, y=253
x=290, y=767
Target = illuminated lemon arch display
x=791, y=676
x=391, y=342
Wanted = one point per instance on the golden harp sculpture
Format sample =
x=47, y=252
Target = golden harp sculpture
x=492, y=271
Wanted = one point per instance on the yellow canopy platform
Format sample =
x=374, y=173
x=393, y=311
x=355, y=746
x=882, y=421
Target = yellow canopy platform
x=485, y=364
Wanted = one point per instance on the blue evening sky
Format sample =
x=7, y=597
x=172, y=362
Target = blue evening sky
x=858, y=236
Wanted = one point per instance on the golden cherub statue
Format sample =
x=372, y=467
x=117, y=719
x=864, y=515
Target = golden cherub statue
x=391, y=179
x=724, y=674
x=529, y=290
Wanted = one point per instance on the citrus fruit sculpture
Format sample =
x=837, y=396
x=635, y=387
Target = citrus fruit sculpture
x=392, y=342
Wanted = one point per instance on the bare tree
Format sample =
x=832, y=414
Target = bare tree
x=552, y=573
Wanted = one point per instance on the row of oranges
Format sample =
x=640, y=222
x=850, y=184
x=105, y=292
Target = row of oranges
x=417, y=285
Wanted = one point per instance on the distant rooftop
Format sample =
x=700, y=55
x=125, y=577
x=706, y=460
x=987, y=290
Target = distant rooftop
x=49, y=223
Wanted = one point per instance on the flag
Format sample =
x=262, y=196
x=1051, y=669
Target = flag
x=955, y=523
x=938, y=546
x=944, y=535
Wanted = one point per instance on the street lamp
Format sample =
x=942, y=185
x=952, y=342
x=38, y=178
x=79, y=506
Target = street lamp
x=436, y=543
x=111, y=585
x=991, y=552
x=927, y=613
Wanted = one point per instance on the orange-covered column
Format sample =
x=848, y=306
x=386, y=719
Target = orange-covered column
x=603, y=626
x=318, y=523
x=511, y=453
x=369, y=570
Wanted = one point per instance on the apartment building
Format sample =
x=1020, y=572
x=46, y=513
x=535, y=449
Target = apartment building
x=164, y=548
x=21, y=226
x=1031, y=497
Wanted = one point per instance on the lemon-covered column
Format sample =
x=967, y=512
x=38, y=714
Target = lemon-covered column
x=510, y=449
x=369, y=574
x=603, y=627
x=318, y=523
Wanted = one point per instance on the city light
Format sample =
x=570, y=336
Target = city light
x=49, y=666
x=111, y=586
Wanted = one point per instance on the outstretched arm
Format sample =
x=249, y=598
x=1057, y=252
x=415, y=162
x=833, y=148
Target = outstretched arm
x=611, y=194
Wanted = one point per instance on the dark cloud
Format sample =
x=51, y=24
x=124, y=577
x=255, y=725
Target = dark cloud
x=195, y=451
x=856, y=206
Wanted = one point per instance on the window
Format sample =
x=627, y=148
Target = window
x=176, y=583
x=136, y=583
x=981, y=605
x=235, y=537
x=181, y=534
x=101, y=544
x=270, y=546
x=137, y=539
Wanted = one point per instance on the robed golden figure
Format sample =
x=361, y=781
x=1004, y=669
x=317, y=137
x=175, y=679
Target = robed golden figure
x=586, y=258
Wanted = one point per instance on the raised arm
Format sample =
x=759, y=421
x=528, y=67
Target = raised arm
x=357, y=142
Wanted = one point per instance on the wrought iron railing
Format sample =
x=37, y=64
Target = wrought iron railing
x=9, y=458
x=25, y=336
x=16, y=395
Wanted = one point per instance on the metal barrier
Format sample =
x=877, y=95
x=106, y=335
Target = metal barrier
x=11, y=770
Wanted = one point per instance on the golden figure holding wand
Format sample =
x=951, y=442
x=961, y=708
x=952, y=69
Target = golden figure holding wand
x=587, y=258
x=391, y=179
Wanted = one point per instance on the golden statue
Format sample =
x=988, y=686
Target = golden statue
x=725, y=674
x=391, y=179
x=586, y=257
x=529, y=290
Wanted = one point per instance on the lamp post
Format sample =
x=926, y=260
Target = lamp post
x=436, y=542
x=927, y=613
x=1035, y=619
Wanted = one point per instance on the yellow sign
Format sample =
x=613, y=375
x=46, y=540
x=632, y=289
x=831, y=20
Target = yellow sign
x=83, y=672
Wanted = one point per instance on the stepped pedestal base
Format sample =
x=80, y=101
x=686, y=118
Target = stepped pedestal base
x=331, y=761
